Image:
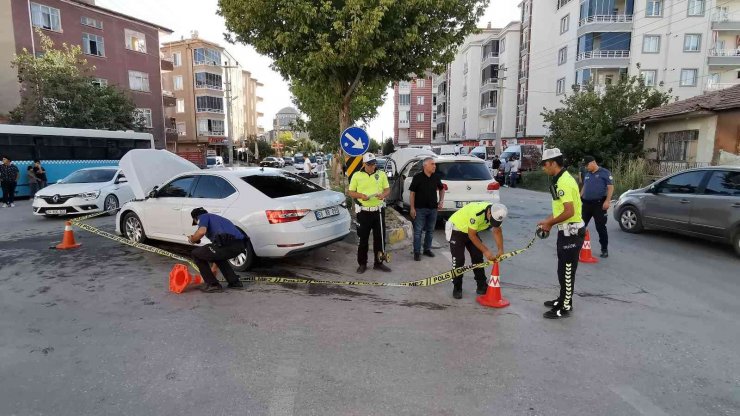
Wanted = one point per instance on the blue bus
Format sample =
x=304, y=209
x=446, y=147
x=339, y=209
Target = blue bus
x=63, y=151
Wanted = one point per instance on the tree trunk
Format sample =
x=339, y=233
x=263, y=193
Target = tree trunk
x=345, y=119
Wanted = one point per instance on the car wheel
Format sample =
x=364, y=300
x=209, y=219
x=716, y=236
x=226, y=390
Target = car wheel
x=111, y=204
x=630, y=220
x=133, y=229
x=736, y=242
x=244, y=261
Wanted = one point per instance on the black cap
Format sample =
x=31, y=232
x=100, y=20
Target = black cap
x=588, y=159
x=197, y=213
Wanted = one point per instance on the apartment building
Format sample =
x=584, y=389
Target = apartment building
x=413, y=112
x=689, y=46
x=244, y=120
x=123, y=49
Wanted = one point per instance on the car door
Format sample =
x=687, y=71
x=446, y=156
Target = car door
x=669, y=206
x=717, y=208
x=161, y=214
x=414, y=168
x=122, y=189
x=212, y=192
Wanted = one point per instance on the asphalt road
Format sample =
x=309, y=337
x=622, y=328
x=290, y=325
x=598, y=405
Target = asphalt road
x=94, y=331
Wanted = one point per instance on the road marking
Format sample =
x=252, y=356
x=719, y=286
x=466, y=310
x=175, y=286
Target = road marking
x=639, y=402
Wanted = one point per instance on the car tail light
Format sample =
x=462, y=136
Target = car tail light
x=287, y=215
x=444, y=186
x=493, y=186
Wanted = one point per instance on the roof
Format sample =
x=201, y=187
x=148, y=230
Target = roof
x=722, y=100
x=118, y=14
x=288, y=110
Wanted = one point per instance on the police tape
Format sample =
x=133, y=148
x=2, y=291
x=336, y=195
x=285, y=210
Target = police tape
x=428, y=281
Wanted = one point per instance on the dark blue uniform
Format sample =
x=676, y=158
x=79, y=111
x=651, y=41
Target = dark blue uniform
x=594, y=194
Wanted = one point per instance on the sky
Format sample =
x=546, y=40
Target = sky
x=184, y=16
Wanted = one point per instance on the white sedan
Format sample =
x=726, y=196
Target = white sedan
x=84, y=191
x=281, y=213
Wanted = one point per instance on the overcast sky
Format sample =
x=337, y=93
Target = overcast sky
x=184, y=16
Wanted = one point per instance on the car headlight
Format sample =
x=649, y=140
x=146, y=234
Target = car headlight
x=36, y=197
x=89, y=195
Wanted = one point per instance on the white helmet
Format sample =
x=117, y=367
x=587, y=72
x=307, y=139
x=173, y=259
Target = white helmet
x=499, y=212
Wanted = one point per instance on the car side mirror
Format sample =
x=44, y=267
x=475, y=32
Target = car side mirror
x=121, y=180
x=59, y=181
x=153, y=193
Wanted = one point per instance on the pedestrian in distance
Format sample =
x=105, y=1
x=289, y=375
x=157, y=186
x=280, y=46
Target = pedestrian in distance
x=307, y=168
x=507, y=172
x=462, y=232
x=515, y=165
x=567, y=217
x=33, y=181
x=370, y=187
x=596, y=195
x=226, y=242
x=427, y=197
x=40, y=173
x=9, y=177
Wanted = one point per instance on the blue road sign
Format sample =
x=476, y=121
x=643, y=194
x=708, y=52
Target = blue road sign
x=354, y=141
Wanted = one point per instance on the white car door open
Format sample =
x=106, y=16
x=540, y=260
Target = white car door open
x=162, y=213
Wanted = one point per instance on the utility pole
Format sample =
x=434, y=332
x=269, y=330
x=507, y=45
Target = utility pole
x=499, y=100
x=229, y=103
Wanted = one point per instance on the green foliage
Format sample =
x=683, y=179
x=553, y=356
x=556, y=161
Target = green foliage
x=589, y=123
x=536, y=180
x=629, y=173
x=57, y=90
x=388, y=147
x=374, y=146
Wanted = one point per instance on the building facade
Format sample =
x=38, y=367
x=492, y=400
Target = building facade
x=123, y=49
x=414, y=112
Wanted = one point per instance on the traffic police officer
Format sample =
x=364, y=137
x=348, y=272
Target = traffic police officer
x=227, y=242
x=596, y=196
x=462, y=232
x=566, y=215
x=370, y=187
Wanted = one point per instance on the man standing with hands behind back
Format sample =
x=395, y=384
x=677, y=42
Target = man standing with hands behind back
x=424, y=205
x=596, y=195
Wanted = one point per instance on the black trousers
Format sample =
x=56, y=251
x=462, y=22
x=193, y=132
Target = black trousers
x=594, y=209
x=568, y=250
x=459, y=242
x=210, y=253
x=370, y=221
x=9, y=192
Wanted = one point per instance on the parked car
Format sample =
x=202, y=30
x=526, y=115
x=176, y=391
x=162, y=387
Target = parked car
x=84, y=191
x=213, y=162
x=530, y=155
x=300, y=165
x=271, y=162
x=465, y=178
x=701, y=202
x=288, y=161
x=281, y=213
x=297, y=159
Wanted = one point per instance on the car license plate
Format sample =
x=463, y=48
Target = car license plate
x=326, y=213
x=460, y=204
x=56, y=211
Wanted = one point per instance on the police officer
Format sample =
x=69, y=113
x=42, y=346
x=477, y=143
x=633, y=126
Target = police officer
x=462, y=232
x=227, y=242
x=596, y=196
x=566, y=215
x=370, y=187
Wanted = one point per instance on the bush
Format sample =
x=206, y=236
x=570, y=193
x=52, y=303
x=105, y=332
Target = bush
x=629, y=173
x=536, y=180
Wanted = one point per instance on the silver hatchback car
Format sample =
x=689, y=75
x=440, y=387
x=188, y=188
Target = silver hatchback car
x=702, y=202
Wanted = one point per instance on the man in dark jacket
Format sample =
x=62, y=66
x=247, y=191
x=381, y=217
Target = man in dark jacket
x=227, y=242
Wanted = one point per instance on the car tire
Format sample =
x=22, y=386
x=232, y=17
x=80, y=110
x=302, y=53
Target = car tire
x=630, y=219
x=133, y=228
x=245, y=261
x=736, y=242
x=110, y=204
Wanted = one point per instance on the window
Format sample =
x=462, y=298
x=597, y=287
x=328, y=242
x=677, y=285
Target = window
x=145, y=114
x=420, y=83
x=692, y=42
x=725, y=183
x=177, y=59
x=651, y=44
x=209, y=104
x=404, y=99
x=93, y=45
x=180, y=105
x=502, y=45
x=464, y=171
x=420, y=100
x=89, y=21
x=138, y=81
x=420, y=117
x=206, y=56
x=46, y=17
x=419, y=134
x=135, y=41
x=562, y=55
x=649, y=77
x=677, y=146
x=688, y=77
x=403, y=116
x=654, y=8
x=100, y=82
x=562, y=3
x=560, y=86
x=213, y=127
x=181, y=130
x=564, y=24
x=489, y=99
x=696, y=7
x=179, y=188
x=281, y=184
x=177, y=82
x=212, y=187
x=683, y=183
x=208, y=80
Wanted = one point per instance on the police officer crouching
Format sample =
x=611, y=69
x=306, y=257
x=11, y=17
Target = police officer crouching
x=462, y=232
x=566, y=215
x=227, y=242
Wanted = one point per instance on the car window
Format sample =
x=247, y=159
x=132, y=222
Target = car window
x=464, y=171
x=684, y=183
x=281, y=185
x=416, y=168
x=91, y=176
x=212, y=187
x=723, y=182
x=179, y=188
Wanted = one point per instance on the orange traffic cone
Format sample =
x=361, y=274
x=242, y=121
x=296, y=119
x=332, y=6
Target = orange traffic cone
x=180, y=278
x=493, y=297
x=68, y=241
x=585, y=256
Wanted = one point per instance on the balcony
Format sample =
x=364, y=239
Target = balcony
x=489, y=85
x=724, y=57
x=404, y=124
x=441, y=118
x=166, y=65
x=491, y=59
x=716, y=86
x=724, y=21
x=487, y=110
x=487, y=136
x=207, y=86
x=605, y=23
x=168, y=99
x=618, y=58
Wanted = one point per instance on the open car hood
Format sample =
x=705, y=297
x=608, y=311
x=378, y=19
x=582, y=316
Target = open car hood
x=147, y=168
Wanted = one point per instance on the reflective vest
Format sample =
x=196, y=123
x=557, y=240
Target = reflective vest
x=472, y=216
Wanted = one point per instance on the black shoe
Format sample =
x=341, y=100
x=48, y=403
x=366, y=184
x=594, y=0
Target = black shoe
x=604, y=254
x=382, y=267
x=236, y=286
x=417, y=257
x=428, y=253
x=457, y=293
x=552, y=303
x=361, y=269
x=481, y=290
x=557, y=313
x=212, y=288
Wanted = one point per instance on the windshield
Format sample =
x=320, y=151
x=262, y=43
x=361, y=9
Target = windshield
x=508, y=155
x=91, y=176
x=211, y=161
x=281, y=184
x=464, y=171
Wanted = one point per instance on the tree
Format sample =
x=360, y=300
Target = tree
x=388, y=147
x=589, y=123
x=374, y=146
x=342, y=46
x=57, y=90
